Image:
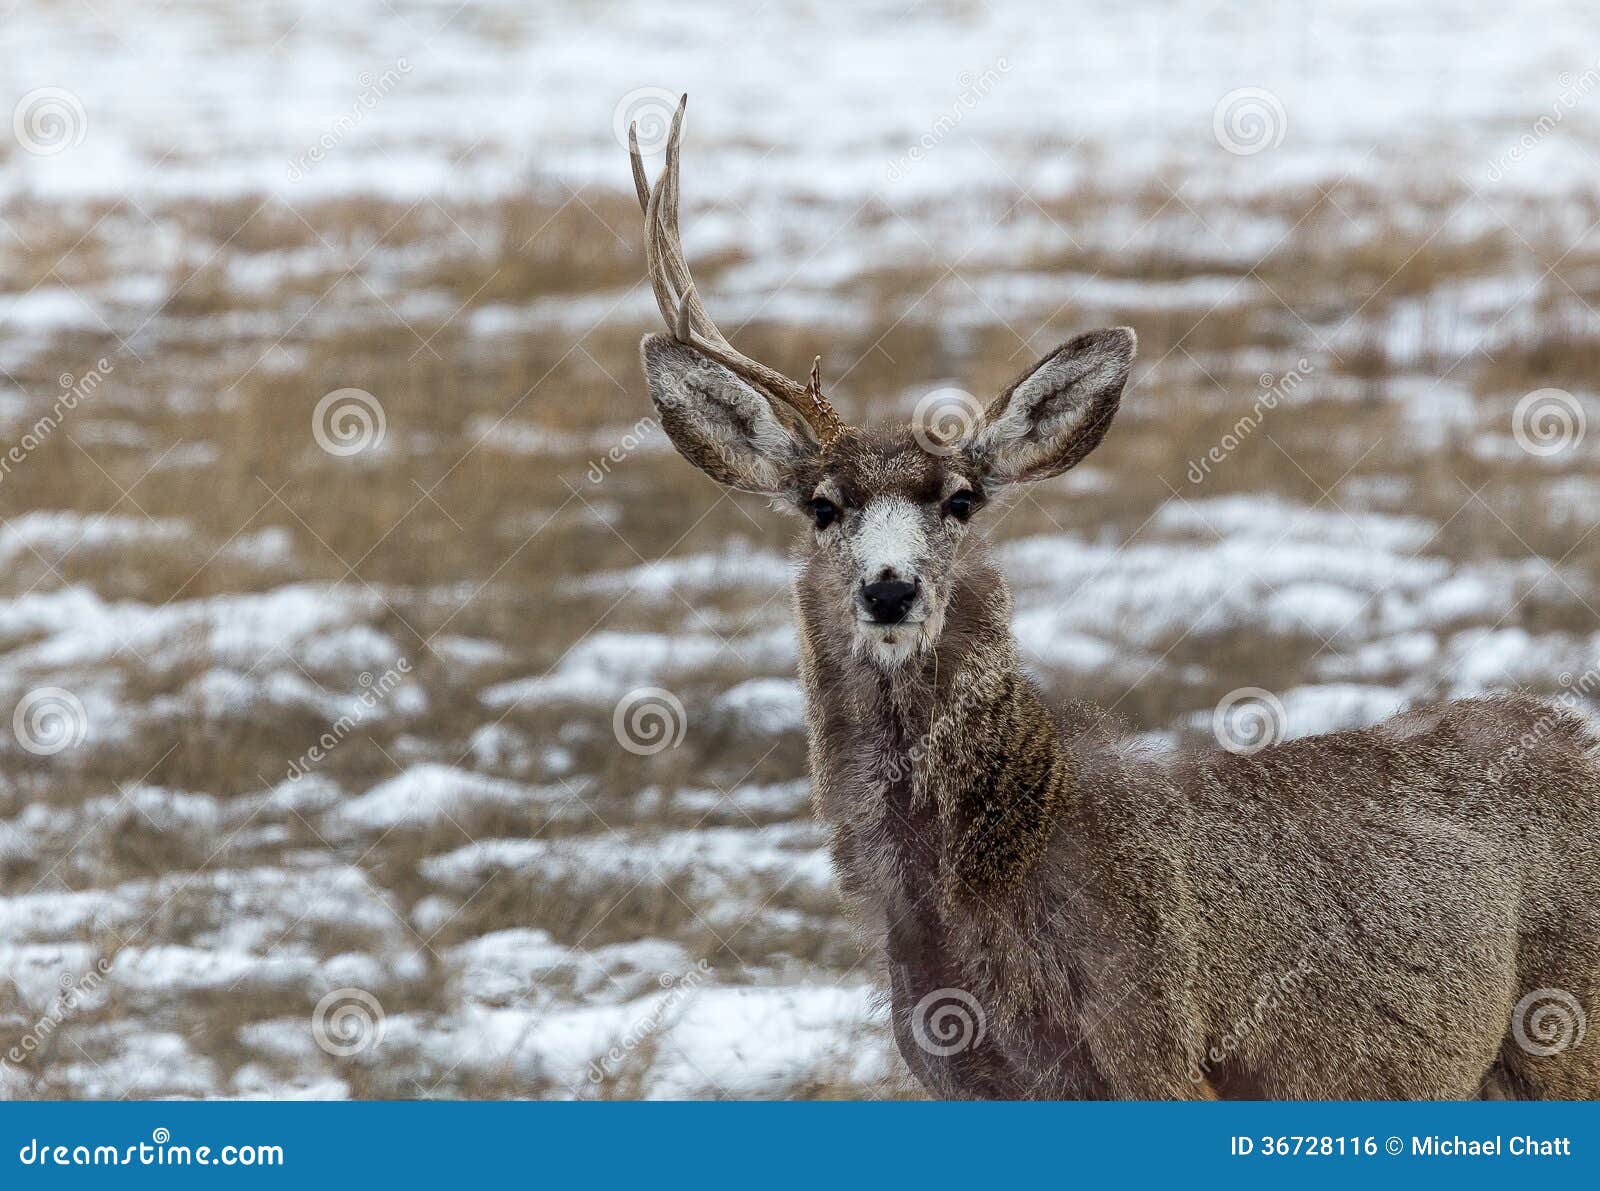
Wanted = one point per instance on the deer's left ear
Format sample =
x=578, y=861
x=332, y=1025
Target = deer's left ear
x=1056, y=414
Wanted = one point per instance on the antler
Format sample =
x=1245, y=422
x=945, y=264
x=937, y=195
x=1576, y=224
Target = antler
x=682, y=309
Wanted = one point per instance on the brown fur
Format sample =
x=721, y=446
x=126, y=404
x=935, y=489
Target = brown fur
x=1356, y=915
x=1116, y=918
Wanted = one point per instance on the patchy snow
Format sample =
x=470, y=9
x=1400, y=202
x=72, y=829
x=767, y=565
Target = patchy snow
x=47, y=536
x=428, y=794
x=1312, y=710
x=605, y=665
x=714, y=861
x=988, y=80
x=690, y=575
x=764, y=706
x=707, y=1041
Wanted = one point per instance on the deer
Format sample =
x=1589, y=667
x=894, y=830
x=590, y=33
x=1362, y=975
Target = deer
x=1409, y=910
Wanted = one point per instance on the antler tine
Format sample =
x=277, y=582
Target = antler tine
x=669, y=271
x=681, y=308
x=666, y=298
x=641, y=184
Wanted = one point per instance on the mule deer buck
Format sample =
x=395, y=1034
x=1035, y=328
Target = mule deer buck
x=1411, y=910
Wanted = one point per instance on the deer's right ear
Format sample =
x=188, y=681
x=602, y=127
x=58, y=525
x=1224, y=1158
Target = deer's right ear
x=719, y=423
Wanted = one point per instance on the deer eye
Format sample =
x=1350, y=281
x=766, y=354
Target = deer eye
x=961, y=504
x=825, y=512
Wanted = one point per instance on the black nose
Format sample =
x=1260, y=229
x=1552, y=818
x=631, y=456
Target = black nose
x=889, y=601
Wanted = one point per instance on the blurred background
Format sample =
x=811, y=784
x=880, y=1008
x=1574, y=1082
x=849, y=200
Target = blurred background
x=388, y=712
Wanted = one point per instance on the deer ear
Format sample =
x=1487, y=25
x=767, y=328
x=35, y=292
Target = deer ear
x=719, y=423
x=1056, y=414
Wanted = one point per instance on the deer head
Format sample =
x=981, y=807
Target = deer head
x=887, y=507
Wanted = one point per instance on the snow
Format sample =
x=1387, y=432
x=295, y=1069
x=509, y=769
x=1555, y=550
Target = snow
x=430, y=793
x=608, y=664
x=1311, y=710
x=1140, y=94
x=688, y=575
x=764, y=706
x=713, y=861
x=712, y=1041
x=74, y=626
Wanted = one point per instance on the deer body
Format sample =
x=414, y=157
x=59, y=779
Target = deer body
x=1410, y=910
x=1350, y=916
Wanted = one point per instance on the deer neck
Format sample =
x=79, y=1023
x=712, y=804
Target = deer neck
x=941, y=777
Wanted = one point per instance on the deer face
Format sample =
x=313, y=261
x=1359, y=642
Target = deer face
x=887, y=516
x=886, y=510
